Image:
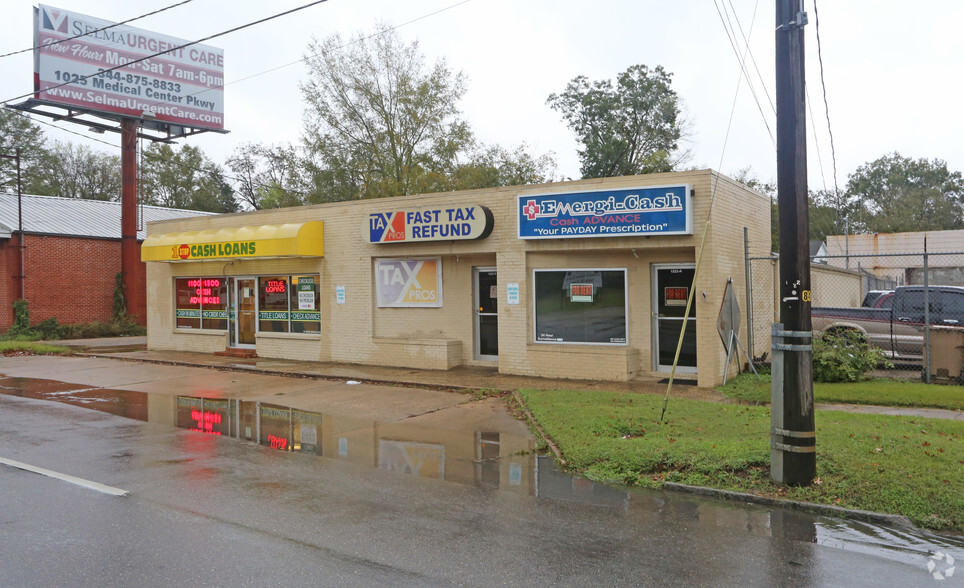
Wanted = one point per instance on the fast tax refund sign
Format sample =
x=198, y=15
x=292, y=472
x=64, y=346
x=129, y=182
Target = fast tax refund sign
x=287, y=240
x=445, y=223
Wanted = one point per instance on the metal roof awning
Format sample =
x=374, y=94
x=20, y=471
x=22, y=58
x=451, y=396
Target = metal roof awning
x=247, y=242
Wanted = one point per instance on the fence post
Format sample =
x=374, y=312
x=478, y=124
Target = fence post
x=927, y=320
x=749, y=294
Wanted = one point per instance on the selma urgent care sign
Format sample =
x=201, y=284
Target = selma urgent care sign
x=663, y=210
x=86, y=62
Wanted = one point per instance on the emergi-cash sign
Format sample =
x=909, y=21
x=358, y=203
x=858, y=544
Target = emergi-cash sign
x=182, y=85
x=662, y=210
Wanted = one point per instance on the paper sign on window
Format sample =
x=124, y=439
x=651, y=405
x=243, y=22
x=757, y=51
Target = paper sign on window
x=676, y=296
x=580, y=292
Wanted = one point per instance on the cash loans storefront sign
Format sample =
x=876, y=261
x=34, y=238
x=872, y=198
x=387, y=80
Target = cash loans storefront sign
x=288, y=240
x=446, y=223
x=663, y=210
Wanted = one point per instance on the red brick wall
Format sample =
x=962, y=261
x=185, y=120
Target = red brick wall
x=68, y=278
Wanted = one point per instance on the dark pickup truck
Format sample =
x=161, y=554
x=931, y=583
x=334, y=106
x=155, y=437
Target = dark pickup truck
x=898, y=330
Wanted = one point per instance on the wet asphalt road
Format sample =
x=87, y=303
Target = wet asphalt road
x=218, y=511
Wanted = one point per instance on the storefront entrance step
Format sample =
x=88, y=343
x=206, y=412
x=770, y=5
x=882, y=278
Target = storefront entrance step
x=237, y=352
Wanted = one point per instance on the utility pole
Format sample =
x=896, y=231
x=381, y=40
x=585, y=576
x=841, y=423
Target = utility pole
x=793, y=458
x=130, y=252
x=20, y=271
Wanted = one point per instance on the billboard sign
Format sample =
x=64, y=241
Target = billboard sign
x=660, y=210
x=158, y=75
x=445, y=223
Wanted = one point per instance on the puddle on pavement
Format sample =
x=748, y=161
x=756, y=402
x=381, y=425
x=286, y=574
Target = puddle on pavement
x=486, y=459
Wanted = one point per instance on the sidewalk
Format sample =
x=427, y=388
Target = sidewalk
x=460, y=378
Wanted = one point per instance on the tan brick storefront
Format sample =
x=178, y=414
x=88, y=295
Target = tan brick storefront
x=308, y=282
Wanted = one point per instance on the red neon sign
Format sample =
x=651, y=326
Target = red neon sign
x=205, y=421
x=277, y=442
x=275, y=286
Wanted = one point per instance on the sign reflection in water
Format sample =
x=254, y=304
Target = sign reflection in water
x=480, y=458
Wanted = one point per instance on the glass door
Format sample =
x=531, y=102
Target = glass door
x=486, y=313
x=671, y=288
x=245, y=320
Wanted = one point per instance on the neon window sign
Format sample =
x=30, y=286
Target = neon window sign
x=205, y=421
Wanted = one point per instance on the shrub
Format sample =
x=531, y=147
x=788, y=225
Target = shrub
x=844, y=356
x=49, y=329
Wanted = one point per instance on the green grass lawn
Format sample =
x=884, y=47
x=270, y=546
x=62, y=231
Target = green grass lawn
x=879, y=391
x=899, y=465
x=31, y=348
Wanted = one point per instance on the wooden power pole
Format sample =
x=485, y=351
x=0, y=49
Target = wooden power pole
x=130, y=252
x=793, y=442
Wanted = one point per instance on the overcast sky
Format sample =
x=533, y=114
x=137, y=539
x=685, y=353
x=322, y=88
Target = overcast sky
x=893, y=73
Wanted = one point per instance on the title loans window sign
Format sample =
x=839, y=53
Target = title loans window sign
x=446, y=223
x=183, y=85
x=664, y=210
x=409, y=282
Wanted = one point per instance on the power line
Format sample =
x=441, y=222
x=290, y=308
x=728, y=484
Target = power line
x=742, y=61
x=224, y=175
x=826, y=105
x=354, y=41
x=116, y=24
x=746, y=42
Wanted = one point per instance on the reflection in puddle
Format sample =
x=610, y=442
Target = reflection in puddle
x=482, y=458
x=486, y=459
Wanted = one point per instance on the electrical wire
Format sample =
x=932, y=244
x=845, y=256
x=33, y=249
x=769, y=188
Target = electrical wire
x=709, y=210
x=116, y=24
x=749, y=51
x=234, y=178
x=731, y=36
x=826, y=105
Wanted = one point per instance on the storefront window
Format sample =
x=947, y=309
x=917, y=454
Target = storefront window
x=289, y=304
x=305, y=312
x=273, y=304
x=286, y=304
x=214, y=300
x=580, y=306
x=200, y=303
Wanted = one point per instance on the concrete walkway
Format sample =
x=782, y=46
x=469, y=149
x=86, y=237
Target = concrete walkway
x=461, y=378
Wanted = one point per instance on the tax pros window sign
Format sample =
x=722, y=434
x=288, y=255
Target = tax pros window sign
x=409, y=282
x=86, y=62
x=661, y=210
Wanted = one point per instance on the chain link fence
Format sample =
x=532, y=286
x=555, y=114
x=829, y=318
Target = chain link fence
x=909, y=305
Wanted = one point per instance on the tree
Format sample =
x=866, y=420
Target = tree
x=378, y=121
x=18, y=130
x=632, y=128
x=897, y=194
x=183, y=179
x=497, y=166
x=269, y=176
x=77, y=171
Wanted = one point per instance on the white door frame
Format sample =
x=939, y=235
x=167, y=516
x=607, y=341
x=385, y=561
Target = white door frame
x=654, y=312
x=476, y=318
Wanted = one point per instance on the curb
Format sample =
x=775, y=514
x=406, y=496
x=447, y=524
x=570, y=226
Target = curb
x=307, y=376
x=811, y=507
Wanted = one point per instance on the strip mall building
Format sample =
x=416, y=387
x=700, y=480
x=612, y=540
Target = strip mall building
x=581, y=280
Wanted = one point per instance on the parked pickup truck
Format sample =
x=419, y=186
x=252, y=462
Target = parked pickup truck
x=898, y=330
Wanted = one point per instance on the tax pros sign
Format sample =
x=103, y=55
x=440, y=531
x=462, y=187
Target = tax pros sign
x=96, y=65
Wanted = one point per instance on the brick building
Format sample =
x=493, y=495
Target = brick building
x=585, y=280
x=71, y=255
